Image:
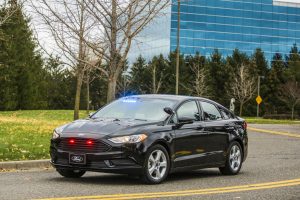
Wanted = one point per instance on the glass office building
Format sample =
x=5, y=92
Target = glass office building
x=272, y=25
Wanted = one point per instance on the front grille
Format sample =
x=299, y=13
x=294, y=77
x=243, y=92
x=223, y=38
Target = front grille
x=80, y=145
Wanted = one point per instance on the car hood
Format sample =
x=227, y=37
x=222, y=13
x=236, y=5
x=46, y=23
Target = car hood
x=102, y=127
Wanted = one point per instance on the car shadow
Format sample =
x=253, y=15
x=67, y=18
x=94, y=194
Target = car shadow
x=202, y=173
x=117, y=179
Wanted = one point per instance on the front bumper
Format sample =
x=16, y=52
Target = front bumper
x=119, y=159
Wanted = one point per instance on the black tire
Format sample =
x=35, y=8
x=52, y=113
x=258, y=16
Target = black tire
x=228, y=169
x=68, y=173
x=146, y=177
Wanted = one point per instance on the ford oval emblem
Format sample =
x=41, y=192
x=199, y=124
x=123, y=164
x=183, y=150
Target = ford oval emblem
x=77, y=159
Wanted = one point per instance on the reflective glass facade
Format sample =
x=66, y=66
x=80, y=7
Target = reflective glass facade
x=272, y=25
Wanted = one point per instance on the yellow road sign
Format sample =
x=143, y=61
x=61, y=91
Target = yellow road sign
x=258, y=100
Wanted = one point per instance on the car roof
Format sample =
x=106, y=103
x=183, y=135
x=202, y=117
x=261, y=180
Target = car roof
x=169, y=97
x=178, y=98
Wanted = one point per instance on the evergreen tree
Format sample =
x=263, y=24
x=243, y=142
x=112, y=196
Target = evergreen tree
x=275, y=79
x=293, y=63
x=170, y=82
x=158, y=68
x=140, y=78
x=60, y=85
x=21, y=72
x=259, y=67
x=217, y=77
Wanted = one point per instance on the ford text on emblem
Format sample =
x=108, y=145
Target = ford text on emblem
x=77, y=159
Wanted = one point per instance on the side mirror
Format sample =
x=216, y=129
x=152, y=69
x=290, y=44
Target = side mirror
x=182, y=121
x=185, y=120
x=169, y=110
x=91, y=114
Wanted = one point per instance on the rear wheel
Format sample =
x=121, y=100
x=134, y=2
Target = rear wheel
x=157, y=165
x=234, y=160
x=68, y=173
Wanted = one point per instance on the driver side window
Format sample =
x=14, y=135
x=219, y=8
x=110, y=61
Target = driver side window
x=189, y=110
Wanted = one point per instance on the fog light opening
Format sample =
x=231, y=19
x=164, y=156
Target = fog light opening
x=109, y=163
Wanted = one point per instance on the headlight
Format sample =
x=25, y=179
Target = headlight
x=129, y=139
x=55, y=135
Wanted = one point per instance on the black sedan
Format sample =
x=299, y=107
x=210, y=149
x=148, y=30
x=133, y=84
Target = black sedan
x=152, y=136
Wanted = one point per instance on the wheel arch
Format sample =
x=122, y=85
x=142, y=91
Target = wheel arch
x=165, y=145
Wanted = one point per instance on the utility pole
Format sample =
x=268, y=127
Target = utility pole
x=178, y=47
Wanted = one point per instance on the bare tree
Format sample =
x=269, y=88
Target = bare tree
x=290, y=94
x=91, y=74
x=119, y=22
x=242, y=86
x=70, y=26
x=156, y=84
x=198, y=77
x=157, y=68
x=123, y=83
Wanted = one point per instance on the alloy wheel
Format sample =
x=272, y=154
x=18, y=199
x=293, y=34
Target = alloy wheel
x=157, y=164
x=235, y=158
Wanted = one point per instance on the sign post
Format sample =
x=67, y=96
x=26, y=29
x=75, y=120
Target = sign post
x=258, y=98
x=258, y=101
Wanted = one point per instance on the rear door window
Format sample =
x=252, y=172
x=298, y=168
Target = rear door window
x=210, y=111
x=226, y=114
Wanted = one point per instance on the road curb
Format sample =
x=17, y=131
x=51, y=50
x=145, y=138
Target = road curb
x=23, y=165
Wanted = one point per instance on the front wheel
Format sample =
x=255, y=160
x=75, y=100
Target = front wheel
x=234, y=160
x=156, y=166
x=68, y=173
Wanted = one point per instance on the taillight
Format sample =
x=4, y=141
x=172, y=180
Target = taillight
x=72, y=141
x=245, y=125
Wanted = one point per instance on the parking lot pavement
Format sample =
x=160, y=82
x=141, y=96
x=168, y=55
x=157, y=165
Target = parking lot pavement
x=272, y=158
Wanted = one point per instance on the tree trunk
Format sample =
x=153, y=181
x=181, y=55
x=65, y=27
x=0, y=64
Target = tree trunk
x=154, y=80
x=241, y=108
x=293, y=110
x=88, y=93
x=112, y=80
x=80, y=67
x=111, y=89
x=78, y=92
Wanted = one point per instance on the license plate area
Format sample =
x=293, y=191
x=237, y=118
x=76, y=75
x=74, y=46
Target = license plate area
x=77, y=159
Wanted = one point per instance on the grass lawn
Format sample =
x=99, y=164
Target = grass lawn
x=25, y=135
x=255, y=120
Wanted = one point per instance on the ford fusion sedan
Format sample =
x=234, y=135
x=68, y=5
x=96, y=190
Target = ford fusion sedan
x=152, y=136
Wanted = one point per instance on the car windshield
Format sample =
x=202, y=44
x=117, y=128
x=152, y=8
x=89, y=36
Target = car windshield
x=146, y=109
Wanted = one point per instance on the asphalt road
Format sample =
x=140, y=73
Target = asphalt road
x=272, y=158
